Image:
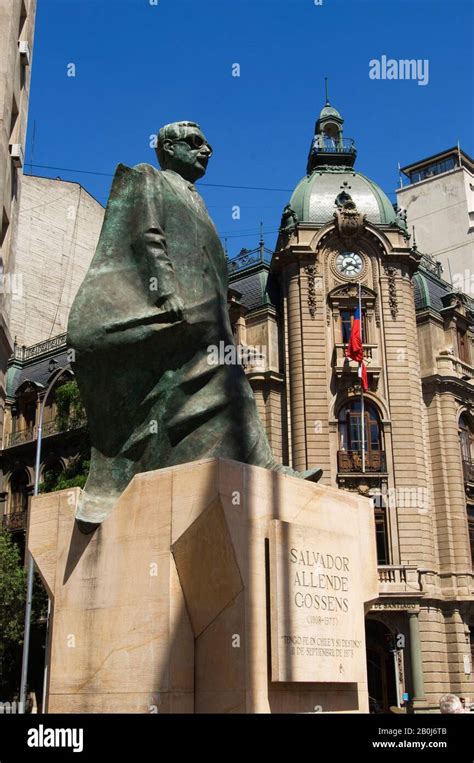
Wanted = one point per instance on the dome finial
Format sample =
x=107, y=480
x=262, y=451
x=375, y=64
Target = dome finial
x=326, y=86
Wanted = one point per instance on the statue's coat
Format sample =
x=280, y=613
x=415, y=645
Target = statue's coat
x=151, y=396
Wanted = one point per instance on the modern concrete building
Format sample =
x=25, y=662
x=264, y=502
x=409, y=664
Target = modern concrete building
x=341, y=231
x=439, y=202
x=59, y=226
x=17, y=19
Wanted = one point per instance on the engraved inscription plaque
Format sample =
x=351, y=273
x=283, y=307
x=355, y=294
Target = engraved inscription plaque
x=316, y=609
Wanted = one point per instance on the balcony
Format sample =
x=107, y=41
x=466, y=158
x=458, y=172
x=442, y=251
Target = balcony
x=343, y=365
x=22, y=353
x=15, y=521
x=327, y=151
x=448, y=364
x=394, y=579
x=350, y=461
x=19, y=437
x=55, y=426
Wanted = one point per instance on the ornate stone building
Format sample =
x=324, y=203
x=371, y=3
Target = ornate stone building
x=340, y=230
x=292, y=311
x=30, y=371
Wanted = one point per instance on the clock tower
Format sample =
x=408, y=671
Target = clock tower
x=340, y=237
x=338, y=233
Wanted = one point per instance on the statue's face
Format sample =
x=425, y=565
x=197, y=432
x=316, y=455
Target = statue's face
x=188, y=156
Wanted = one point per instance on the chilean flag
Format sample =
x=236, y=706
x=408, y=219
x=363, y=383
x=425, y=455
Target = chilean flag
x=355, y=350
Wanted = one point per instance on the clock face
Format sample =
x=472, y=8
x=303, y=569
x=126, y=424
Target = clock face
x=349, y=264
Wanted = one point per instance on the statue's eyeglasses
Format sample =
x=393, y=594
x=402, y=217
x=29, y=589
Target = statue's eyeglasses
x=194, y=141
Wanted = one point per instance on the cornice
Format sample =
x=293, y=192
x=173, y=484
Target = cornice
x=450, y=384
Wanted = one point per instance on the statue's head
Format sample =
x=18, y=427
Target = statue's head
x=183, y=148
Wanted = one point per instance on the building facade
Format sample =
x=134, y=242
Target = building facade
x=58, y=230
x=439, y=201
x=17, y=18
x=31, y=370
x=338, y=234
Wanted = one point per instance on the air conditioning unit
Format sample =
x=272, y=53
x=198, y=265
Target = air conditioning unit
x=24, y=49
x=16, y=153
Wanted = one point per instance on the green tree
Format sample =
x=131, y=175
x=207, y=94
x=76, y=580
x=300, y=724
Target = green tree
x=70, y=411
x=13, y=582
x=12, y=590
x=70, y=415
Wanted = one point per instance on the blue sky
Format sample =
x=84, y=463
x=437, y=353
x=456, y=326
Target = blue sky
x=139, y=66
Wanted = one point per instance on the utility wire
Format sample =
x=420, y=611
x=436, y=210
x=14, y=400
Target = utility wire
x=210, y=185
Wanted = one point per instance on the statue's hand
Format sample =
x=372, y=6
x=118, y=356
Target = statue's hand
x=174, y=307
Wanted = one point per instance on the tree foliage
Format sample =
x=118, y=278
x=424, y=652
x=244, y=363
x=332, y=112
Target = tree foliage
x=70, y=411
x=13, y=585
x=12, y=590
x=70, y=415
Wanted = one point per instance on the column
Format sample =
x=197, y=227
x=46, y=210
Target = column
x=418, y=698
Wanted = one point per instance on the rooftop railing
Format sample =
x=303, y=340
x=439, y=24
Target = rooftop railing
x=330, y=146
x=41, y=348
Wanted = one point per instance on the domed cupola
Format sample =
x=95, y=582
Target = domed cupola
x=331, y=179
x=328, y=146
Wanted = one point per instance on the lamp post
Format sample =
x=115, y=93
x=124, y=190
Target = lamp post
x=31, y=564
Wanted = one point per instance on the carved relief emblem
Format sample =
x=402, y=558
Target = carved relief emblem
x=350, y=222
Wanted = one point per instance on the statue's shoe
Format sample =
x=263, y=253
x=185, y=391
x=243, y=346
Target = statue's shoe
x=312, y=475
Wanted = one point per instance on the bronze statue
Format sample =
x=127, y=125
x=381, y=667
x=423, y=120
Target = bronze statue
x=153, y=301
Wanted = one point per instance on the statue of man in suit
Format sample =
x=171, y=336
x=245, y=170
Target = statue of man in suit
x=153, y=302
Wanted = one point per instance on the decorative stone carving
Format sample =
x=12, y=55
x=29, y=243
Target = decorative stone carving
x=391, y=272
x=311, y=271
x=350, y=222
x=289, y=221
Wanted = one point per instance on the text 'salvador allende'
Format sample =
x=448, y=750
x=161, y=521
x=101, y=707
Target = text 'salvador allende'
x=323, y=572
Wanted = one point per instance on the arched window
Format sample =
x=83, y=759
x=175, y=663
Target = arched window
x=466, y=438
x=26, y=406
x=52, y=470
x=18, y=503
x=350, y=438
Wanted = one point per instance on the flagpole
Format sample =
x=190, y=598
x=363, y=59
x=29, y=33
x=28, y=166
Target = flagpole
x=362, y=407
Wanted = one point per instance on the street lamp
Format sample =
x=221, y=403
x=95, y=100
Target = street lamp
x=31, y=564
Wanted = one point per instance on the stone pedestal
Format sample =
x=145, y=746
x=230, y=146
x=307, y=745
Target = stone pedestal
x=211, y=587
